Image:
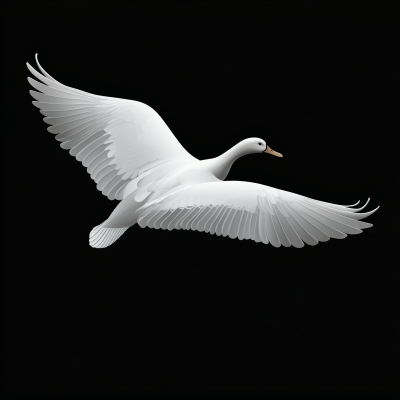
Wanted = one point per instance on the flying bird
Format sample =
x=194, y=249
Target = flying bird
x=133, y=156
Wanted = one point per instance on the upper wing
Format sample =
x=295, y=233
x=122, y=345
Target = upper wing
x=116, y=139
x=251, y=211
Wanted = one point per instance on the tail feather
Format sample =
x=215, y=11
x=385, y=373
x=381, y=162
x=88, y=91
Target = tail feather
x=103, y=237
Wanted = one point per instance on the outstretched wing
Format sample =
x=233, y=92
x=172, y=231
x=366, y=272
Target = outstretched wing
x=251, y=211
x=116, y=139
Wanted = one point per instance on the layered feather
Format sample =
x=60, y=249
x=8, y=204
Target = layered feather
x=247, y=210
x=115, y=139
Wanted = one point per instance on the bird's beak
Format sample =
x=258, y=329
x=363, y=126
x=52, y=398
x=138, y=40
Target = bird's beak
x=274, y=153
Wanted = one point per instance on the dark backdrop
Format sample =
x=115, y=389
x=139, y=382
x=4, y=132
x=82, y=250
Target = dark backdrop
x=180, y=312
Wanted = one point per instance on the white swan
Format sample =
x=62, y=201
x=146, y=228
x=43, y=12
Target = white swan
x=133, y=156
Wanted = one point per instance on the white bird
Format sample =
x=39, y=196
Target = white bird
x=133, y=156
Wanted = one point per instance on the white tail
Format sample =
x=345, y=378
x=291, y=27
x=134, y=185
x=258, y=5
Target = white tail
x=103, y=237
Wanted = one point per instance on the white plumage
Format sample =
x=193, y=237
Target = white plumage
x=133, y=156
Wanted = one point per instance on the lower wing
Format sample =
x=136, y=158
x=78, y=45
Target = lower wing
x=246, y=210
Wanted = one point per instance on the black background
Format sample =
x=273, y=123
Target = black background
x=188, y=313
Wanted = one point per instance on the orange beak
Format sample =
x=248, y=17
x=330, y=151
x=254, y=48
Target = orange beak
x=274, y=153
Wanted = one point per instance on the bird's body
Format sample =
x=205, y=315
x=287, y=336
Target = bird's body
x=133, y=156
x=192, y=173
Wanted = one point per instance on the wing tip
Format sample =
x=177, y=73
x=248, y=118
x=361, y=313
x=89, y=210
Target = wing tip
x=371, y=212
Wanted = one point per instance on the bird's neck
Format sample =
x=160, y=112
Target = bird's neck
x=221, y=165
x=230, y=156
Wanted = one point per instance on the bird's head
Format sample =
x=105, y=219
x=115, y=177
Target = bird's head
x=257, y=145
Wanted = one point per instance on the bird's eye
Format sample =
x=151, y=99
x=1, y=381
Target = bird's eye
x=259, y=144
